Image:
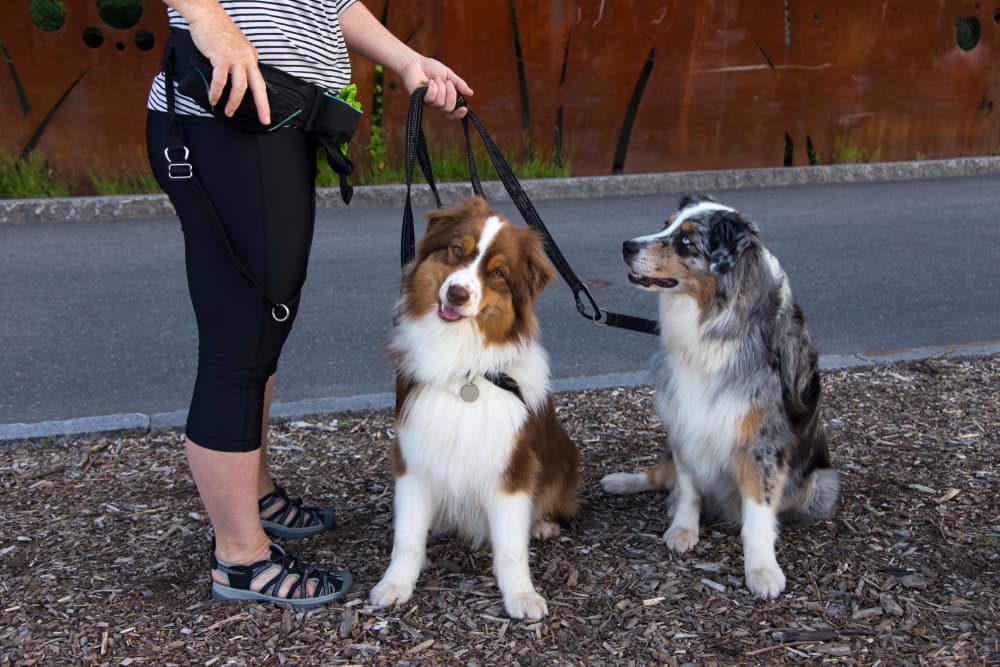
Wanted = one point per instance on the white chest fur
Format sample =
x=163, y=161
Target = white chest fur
x=697, y=406
x=460, y=445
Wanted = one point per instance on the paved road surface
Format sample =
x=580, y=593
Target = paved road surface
x=96, y=319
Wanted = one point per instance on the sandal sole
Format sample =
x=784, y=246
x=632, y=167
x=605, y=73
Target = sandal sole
x=227, y=593
x=284, y=532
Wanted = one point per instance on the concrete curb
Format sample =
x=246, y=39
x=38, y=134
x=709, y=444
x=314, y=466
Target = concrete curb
x=13, y=434
x=77, y=209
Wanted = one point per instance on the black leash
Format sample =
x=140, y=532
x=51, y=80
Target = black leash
x=416, y=151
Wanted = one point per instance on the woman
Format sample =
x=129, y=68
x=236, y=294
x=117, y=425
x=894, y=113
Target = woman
x=252, y=237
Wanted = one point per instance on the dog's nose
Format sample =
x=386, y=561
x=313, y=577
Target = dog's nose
x=457, y=295
x=629, y=249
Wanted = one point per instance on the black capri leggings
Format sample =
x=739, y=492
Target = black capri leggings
x=262, y=187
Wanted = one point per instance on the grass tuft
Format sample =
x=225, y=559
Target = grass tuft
x=845, y=153
x=29, y=178
x=124, y=183
x=451, y=165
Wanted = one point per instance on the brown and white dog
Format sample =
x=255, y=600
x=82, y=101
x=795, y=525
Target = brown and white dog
x=737, y=387
x=479, y=448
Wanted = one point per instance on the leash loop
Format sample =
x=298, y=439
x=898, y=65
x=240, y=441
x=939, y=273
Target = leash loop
x=599, y=317
x=280, y=312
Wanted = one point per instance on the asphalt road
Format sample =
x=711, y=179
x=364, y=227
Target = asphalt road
x=96, y=318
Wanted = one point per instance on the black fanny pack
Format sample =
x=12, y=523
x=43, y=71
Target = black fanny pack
x=293, y=103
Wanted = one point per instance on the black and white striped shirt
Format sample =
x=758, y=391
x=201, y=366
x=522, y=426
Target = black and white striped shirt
x=301, y=37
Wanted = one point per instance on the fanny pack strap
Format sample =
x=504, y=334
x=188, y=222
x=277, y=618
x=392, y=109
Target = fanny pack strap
x=416, y=150
x=179, y=168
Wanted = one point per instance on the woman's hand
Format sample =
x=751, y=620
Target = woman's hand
x=443, y=85
x=364, y=34
x=233, y=57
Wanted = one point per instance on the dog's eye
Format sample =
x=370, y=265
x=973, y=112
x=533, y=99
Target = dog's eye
x=457, y=249
x=498, y=273
x=685, y=240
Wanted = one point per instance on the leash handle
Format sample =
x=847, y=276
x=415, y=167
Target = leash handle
x=416, y=151
x=416, y=147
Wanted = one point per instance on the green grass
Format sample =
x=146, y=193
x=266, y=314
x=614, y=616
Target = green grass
x=30, y=178
x=451, y=165
x=845, y=153
x=125, y=183
x=33, y=178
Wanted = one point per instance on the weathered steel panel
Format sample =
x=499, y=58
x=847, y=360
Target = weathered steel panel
x=627, y=86
x=85, y=103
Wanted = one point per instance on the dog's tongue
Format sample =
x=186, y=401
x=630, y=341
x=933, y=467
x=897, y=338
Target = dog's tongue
x=448, y=313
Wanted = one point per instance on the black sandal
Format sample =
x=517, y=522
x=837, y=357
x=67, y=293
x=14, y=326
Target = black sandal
x=291, y=520
x=330, y=585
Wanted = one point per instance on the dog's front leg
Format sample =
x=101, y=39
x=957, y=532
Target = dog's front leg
x=760, y=564
x=760, y=490
x=683, y=532
x=510, y=532
x=413, y=512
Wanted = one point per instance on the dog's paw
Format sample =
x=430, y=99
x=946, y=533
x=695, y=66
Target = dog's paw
x=766, y=581
x=680, y=539
x=621, y=483
x=544, y=530
x=528, y=604
x=388, y=593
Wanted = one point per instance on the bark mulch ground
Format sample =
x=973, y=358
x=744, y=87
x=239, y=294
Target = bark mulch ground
x=104, y=547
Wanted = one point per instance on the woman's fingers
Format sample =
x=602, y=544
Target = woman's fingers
x=460, y=85
x=220, y=75
x=443, y=95
x=238, y=87
x=259, y=90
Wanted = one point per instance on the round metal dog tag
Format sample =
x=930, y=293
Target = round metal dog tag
x=469, y=392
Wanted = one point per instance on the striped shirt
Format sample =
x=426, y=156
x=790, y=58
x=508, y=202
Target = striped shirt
x=301, y=37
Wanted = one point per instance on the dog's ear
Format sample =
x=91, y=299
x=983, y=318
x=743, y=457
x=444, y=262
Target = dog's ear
x=440, y=220
x=471, y=208
x=538, y=270
x=729, y=235
x=692, y=198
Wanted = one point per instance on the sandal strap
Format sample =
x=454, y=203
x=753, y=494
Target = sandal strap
x=242, y=576
x=304, y=516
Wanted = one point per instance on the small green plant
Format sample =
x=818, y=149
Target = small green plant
x=124, y=183
x=811, y=155
x=29, y=178
x=377, y=154
x=845, y=153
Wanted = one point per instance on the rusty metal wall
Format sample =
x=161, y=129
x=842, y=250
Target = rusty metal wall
x=80, y=106
x=611, y=86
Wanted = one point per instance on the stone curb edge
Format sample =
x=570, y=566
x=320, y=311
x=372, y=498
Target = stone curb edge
x=12, y=435
x=76, y=209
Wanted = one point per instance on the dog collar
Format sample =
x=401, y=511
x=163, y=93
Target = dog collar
x=469, y=392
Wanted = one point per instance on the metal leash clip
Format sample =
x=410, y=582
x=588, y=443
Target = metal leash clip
x=181, y=170
x=599, y=316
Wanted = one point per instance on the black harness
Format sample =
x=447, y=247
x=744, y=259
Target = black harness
x=505, y=382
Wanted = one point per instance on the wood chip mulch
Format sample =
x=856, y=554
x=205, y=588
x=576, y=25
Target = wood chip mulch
x=104, y=549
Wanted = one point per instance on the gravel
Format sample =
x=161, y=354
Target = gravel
x=104, y=546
